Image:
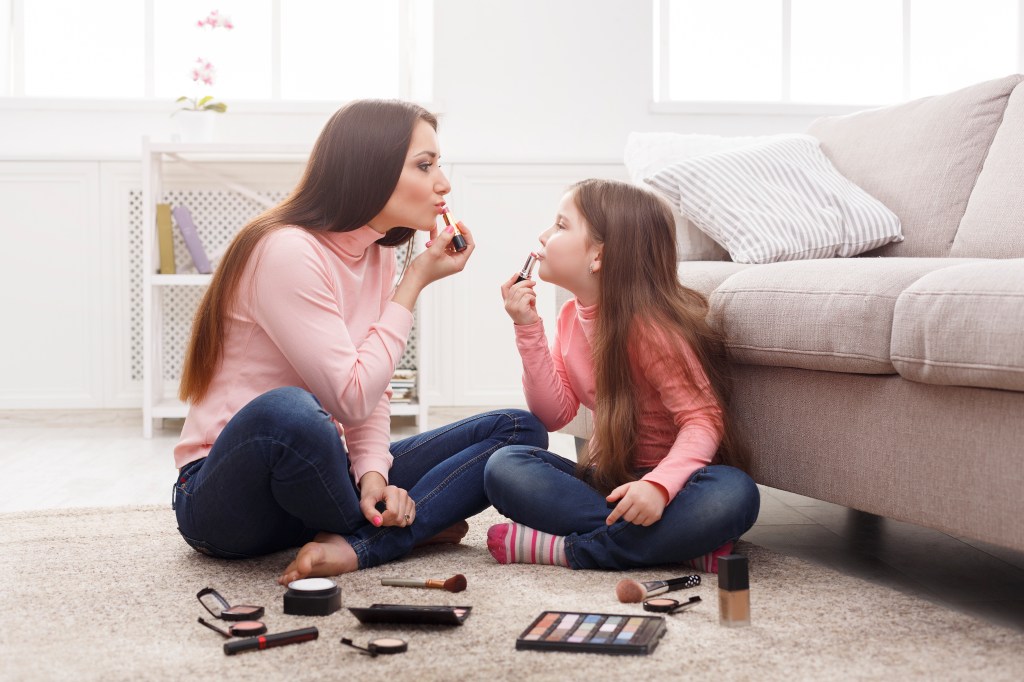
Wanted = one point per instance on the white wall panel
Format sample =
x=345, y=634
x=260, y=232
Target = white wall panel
x=51, y=246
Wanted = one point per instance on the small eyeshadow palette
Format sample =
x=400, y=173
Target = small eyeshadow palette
x=601, y=633
x=415, y=615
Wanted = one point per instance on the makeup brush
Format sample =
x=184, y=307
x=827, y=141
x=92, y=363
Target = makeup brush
x=633, y=592
x=457, y=583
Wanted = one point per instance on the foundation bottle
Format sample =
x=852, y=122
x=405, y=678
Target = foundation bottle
x=733, y=591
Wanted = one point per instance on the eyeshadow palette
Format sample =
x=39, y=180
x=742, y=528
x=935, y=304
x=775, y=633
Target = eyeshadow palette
x=416, y=615
x=603, y=633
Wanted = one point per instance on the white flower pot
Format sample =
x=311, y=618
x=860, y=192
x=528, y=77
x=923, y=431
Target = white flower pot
x=197, y=126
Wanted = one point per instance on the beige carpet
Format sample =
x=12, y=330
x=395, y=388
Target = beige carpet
x=109, y=594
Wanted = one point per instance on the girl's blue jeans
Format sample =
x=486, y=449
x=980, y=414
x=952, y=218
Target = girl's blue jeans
x=540, y=490
x=278, y=474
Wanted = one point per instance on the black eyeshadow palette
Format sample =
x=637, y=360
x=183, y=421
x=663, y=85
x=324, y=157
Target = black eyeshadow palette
x=413, y=615
x=602, y=633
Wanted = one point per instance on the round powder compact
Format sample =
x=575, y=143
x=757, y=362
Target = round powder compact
x=312, y=597
x=665, y=605
x=387, y=645
x=247, y=628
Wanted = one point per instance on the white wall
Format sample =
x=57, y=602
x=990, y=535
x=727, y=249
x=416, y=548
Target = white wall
x=533, y=95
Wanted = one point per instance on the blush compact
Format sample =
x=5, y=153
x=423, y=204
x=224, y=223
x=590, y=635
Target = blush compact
x=219, y=607
x=242, y=628
x=312, y=597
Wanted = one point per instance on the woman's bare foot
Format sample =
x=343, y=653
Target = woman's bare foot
x=327, y=554
x=451, y=535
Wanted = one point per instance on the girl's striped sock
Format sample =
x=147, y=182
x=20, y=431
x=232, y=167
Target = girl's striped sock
x=514, y=543
x=709, y=562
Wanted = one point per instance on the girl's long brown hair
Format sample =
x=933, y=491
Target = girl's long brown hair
x=351, y=173
x=640, y=296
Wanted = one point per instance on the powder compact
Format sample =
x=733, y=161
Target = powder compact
x=241, y=628
x=312, y=597
x=381, y=645
x=219, y=607
x=666, y=605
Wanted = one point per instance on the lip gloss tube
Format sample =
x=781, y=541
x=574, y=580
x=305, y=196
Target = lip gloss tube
x=458, y=241
x=268, y=641
x=527, y=270
x=733, y=591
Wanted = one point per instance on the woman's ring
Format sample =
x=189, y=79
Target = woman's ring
x=406, y=517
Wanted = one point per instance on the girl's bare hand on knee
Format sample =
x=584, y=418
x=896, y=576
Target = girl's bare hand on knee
x=639, y=502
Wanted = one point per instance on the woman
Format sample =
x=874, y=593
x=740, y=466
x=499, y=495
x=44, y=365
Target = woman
x=293, y=347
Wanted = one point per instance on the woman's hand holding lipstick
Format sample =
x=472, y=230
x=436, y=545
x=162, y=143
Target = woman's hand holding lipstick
x=520, y=300
x=436, y=262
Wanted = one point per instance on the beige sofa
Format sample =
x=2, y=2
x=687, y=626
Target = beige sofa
x=893, y=382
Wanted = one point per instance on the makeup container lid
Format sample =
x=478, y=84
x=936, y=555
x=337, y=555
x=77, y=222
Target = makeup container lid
x=312, y=585
x=733, y=573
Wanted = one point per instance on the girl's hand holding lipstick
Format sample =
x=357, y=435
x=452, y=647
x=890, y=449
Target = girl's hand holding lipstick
x=520, y=300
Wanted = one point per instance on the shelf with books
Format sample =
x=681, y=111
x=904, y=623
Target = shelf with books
x=190, y=221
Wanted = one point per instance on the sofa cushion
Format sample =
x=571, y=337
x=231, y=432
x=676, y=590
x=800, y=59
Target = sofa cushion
x=921, y=159
x=647, y=153
x=993, y=226
x=706, y=276
x=777, y=200
x=963, y=326
x=827, y=314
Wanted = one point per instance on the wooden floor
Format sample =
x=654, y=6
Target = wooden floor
x=99, y=458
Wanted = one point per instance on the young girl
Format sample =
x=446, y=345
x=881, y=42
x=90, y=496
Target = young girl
x=634, y=347
x=294, y=346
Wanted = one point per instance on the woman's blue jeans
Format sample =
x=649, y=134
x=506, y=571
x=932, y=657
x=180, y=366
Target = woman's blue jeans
x=278, y=474
x=539, y=489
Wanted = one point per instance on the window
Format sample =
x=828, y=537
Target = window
x=309, y=50
x=831, y=52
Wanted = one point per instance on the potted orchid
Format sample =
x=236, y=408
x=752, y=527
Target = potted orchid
x=197, y=119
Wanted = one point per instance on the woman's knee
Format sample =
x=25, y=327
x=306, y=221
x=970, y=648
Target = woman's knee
x=288, y=409
x=520, y=427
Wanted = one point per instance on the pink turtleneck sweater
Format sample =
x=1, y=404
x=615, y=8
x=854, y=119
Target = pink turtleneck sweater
x=680, y=424
x=313, y=310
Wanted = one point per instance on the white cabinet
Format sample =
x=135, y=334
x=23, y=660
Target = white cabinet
x=201, y=175
x=54, y=286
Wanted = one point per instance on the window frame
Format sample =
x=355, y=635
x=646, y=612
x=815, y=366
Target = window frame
x=662, y=104
x=15, y=98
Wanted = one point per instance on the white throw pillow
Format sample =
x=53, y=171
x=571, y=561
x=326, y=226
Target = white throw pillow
x=777, y=200
x=648, y=153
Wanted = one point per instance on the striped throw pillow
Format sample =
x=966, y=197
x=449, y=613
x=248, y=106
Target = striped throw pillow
x=777, y=200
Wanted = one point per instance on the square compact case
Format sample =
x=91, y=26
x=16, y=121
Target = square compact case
x=412, y=615
x=601, y=633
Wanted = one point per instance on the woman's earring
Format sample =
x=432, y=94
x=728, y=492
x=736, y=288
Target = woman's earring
x=591, y=268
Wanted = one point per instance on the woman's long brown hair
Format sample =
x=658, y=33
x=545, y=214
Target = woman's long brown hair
x=641, y=296
x=351, y=173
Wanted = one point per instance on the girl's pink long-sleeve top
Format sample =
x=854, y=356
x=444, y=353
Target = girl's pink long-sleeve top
x=680, y=425
x=313, y=310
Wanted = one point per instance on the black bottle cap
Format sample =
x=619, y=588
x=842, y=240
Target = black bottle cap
x=732, y=573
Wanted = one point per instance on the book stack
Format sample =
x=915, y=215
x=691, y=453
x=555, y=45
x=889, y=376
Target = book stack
x=403, y=386
x=189, y=233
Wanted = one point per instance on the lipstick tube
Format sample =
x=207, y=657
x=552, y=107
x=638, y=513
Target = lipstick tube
x=527, y=270
x=269, y=641
x=458, y=241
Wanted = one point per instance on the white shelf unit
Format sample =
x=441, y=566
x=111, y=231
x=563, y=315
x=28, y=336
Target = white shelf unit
x=158, y=400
